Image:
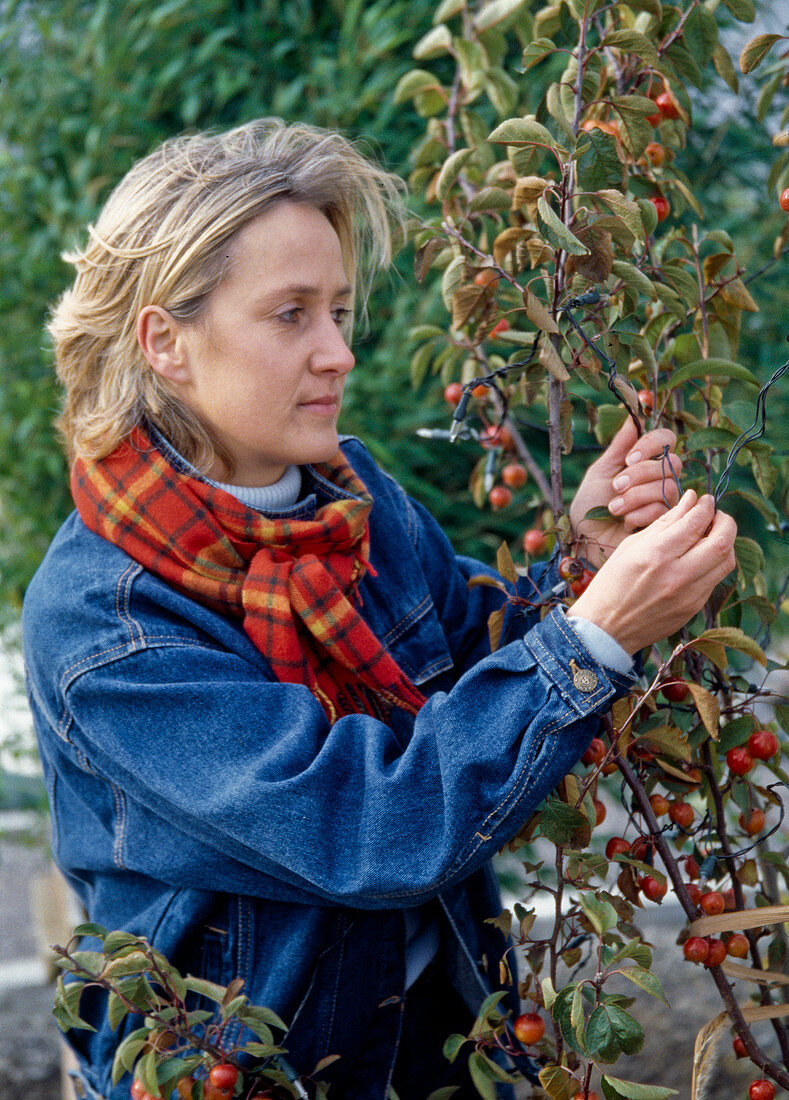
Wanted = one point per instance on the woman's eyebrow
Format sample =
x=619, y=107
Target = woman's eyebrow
x=304, y=290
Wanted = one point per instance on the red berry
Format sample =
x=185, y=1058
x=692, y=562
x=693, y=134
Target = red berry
x=595, y=753
x=739, y=1047
x=667, y=105
x=500, y=497
x=647, y=400
x=453, y=393
x=761, y=1089
x=500, y=326
x=661, y=205
x=580, y=584
x=586, y=1096
x=534, y=542
x=570, y=568
x=738, y=760
x=694, y=892
x=717, y=953
x=696, y=949
x=138, y=1090
x=617, y=845
x=654, y=152
x=653, y=889
x=223, y=1076
x=712, y=903
x=642, y=848
x=655, y=120
x=493, y=436
x=737, y=946
x=529, y=1028
x=681, y=813
x=599, y=811
x=783, y=202
x=675, y=692
x=691, y=867
x=480, y=391
x=659, y=804
x=753, y=823
x=762, y=744
x=487, y=277
x=514, y=475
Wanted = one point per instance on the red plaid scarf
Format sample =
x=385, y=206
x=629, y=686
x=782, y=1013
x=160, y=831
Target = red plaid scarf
x=292, y=580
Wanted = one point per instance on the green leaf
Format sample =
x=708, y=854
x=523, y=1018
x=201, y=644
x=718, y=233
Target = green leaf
x=114, y=941
x=559, y=822
x=600, y=914
x=632, y=276
x=524, y=131
x=537, y=51
x=418, y=80
x=750, y=559
x=98, y=931
x=477, y=1067
x=630, y=1090
x=736, y=639
x=628, y=211
x=436, y=42
x=710, y=439
x=447, y=9
x=635, y=43
x=744, y=10
x=452, y=1046
x=717, y=370
x=207, y=989
x=116, y=1010
x=558, y=1082
x=487, y=1013
x=645, y=980
x=599, y=165
x=450, y=171
x=555, y=232
x=255, y=1016
x=756, y=50
x=611, y=1031
x=495, y=12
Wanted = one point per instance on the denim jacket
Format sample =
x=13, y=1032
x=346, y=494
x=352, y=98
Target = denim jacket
x=203, y=804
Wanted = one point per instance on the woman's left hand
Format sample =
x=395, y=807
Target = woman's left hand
x=633, y=481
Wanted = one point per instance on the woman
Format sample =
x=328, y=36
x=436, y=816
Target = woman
x=275, y=739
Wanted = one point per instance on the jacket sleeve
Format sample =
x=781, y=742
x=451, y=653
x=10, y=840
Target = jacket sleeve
x=223, y=779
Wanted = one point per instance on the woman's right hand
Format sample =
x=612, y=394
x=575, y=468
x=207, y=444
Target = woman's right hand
x=658, y=578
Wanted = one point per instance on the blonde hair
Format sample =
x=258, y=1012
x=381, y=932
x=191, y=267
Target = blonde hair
x=162, y=239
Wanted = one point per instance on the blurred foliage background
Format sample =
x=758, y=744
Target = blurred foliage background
x=88, y=87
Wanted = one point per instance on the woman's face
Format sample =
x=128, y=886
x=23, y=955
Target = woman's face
x=265, y=365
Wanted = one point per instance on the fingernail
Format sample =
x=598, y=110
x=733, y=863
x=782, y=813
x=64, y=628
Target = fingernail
x=633, y=457
x=620, y=482
x=616, y=505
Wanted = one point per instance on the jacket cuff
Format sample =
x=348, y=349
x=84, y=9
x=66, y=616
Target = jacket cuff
x=583, y=682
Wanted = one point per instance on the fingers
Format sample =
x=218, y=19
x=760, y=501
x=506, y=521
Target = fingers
x=651, y=445
x=644, y=491
x=714, y=552
x=614, y=456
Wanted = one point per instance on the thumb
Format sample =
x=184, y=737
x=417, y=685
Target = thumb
x=612, y=460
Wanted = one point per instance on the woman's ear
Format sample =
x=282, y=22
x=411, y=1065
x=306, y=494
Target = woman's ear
x=161, y=340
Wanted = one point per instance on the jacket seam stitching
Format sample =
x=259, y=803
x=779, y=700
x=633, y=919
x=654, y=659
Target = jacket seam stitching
x=123, y=612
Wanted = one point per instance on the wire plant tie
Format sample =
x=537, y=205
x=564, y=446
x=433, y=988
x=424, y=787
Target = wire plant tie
x=756, y=431
x=592, y=298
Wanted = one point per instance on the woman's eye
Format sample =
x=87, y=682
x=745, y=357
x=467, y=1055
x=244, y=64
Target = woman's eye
x=341, y=314
x=290, y=316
